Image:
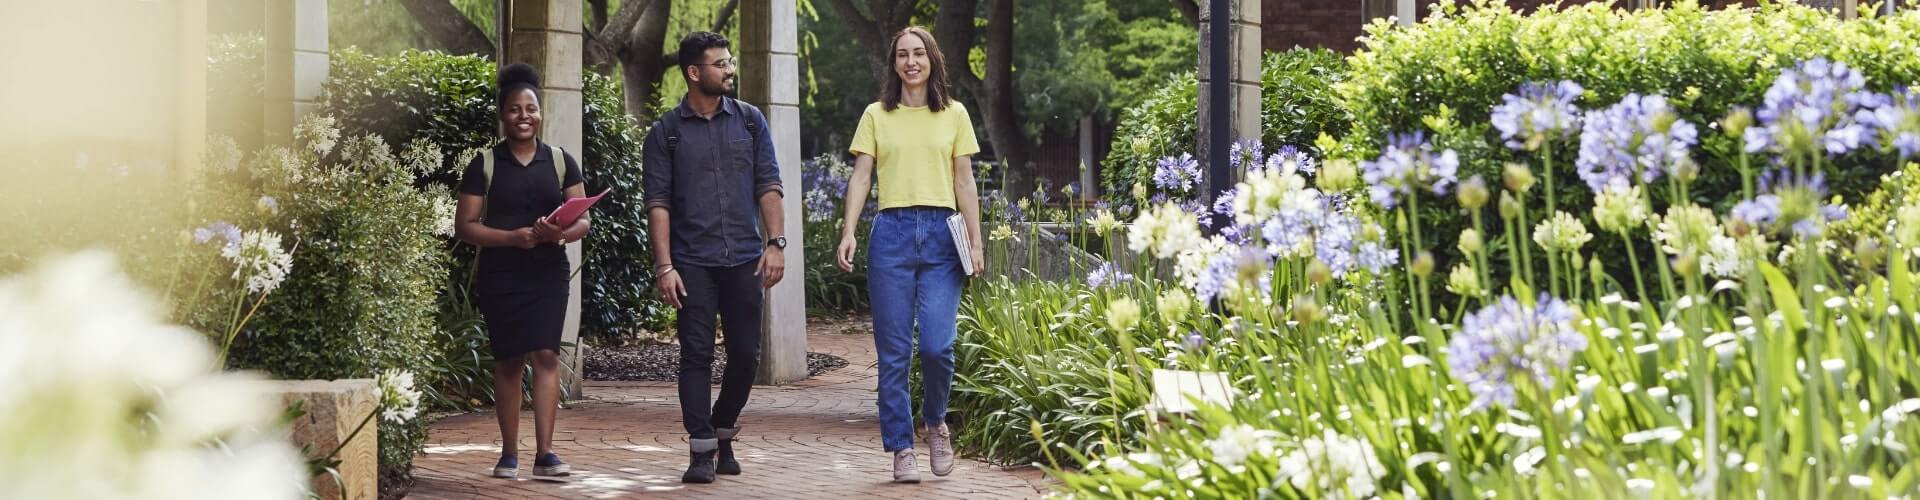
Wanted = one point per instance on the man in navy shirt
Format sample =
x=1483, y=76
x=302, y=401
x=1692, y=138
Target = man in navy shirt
x=714, y=218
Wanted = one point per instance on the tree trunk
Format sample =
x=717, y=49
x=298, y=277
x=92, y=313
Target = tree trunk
x=599, y=9
x=641, y=49
x=452, y=30
x=888, y=17
x=995, y=98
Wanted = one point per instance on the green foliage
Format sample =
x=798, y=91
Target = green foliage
x=1298, y=104
x=446, y=100
x=1456, y=66
x=1297, y=99
x=1162, y=125
x=617, y=284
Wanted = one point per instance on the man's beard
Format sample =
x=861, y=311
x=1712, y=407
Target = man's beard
x=715, y=87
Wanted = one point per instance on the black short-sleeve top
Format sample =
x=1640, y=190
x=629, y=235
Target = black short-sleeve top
x=520, y=195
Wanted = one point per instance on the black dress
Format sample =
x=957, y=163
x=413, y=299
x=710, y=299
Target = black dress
x=522, y=292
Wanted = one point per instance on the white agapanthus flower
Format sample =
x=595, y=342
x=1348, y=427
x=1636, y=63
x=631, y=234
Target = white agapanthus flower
x=259, y=261
x=1236, y=443
x=399, y=401
x=1338, y=466
x=1193, y=261
x=1562, y=233
x=1164, y=231
x=103, y=400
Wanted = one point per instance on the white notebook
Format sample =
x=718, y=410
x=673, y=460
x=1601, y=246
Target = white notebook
x=957, y=224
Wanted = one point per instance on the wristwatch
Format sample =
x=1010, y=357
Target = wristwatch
x=779, y=242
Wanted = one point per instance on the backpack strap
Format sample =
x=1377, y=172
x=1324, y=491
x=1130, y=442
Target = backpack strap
x=486, y=169
x=671, y=130
x=559, y=165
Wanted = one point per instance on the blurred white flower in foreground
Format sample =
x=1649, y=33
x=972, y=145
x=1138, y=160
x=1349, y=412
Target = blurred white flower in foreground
x=103, y=401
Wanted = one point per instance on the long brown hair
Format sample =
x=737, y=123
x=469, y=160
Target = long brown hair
x=938, y=95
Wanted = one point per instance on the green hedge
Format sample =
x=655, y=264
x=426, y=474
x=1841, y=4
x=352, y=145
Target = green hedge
x=1445, y=74
x=449, y=101
x=1297, y=104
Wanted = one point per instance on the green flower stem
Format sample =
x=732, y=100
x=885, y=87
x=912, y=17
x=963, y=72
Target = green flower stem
x=1547, y=184
x=1480, y=257
x=1633, y=260
x=1526, y=254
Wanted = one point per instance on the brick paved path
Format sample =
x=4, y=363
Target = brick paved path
x=813, y=439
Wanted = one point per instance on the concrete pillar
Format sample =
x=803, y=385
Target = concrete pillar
x=296, y=61
x=769, y=53
x=1243, y=81
x=546, y=34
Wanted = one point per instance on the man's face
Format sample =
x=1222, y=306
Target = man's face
x=714, y=76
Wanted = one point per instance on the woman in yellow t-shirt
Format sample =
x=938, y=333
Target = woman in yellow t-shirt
x=920, y=143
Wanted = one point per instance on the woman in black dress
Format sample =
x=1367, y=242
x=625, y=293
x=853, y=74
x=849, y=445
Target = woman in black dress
x=522, y=280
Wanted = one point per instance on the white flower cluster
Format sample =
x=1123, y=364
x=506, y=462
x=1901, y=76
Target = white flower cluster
x=318, y=133
x=259, y=261
x=1164, y=232
x=1339, y=466
x=443, y=214
x=103, y=400
x=399, y=401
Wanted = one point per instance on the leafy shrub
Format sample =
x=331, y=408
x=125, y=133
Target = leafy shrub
x=1298, y=103
x=368, y=268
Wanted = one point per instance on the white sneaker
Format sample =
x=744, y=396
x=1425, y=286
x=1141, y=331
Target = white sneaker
x=940, y=449
x=905, y=470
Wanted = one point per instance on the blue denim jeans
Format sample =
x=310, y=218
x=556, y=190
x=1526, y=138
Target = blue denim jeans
x=914, y=277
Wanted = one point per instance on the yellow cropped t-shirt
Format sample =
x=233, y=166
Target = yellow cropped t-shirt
x=913, y=150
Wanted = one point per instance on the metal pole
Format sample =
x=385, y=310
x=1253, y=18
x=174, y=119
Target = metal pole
x=1219, y=89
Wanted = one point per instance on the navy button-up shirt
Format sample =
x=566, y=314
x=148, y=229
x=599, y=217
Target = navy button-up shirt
x=710, y=182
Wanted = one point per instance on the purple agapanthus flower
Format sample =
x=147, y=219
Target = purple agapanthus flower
x=1193, y=341
x=1178, y=174
x=1408, y=163
x=1289, y=155
x=1506, y=341
x=1817, y=104
x=1639, y=134
x=1897, y=117
x=1538, y=111
x=1375, y=257
x=1333, y=243
x=1783, y=204
x=1216, y=278
x=227, y=233
x=1244, y=154
x=1107, y=275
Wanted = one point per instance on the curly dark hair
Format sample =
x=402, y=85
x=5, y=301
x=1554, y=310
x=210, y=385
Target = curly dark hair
x=516, y=77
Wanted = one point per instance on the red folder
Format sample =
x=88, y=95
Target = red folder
x=566, y=213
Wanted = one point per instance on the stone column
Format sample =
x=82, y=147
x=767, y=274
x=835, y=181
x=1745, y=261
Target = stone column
x=546, y=34
x=769, y=77
x=1242, y=76
x=296, y=61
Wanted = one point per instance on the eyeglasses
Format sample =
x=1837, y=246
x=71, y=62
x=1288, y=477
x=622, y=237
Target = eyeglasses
x=723, y=64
